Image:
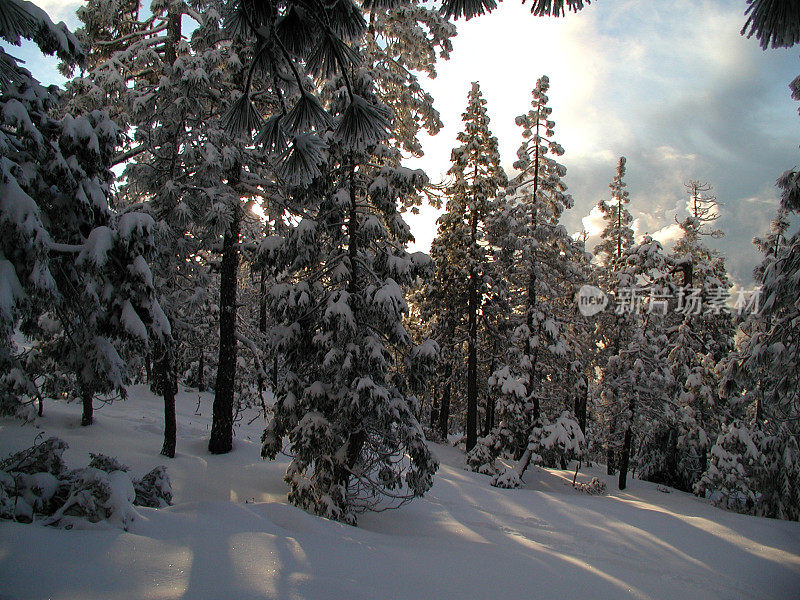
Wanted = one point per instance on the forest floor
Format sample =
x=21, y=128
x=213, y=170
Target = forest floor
x=231, y=535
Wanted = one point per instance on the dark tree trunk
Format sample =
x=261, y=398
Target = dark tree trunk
x=625, y=459
x=148, y=370
x=163, y=371
x=444, y=409
x=472, y=344
x=611, y=463
x=581, y=400
x=626, y=444
x=222, y=424
x=87, y=418
x=201, y=368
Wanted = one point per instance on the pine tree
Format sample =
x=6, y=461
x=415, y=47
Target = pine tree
x=345, y=402
x=195, y=179
x=616, y=239
x=347, y=398
x=462, y=234
x=617, y=235
x=700, y=333
x=761, y=379
x=545, y=268
x=75, y=276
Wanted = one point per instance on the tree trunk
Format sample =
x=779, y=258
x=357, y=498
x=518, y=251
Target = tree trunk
x=472, y=342
x=581, y=401
x=626, y=445
x=444, y=409
x=163, y=371
x=87, y=418
x=148, y=370
x=624, y=459
x=222, y=423
x=201, y=367
x=611, y=466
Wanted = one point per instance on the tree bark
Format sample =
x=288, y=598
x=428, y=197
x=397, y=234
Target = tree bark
x=163, y=371
x=625, y=457
x=444, y=409
x=222, y=423
x=472, y=344
x=611, y=467
x=581, y=401
x=87, y=418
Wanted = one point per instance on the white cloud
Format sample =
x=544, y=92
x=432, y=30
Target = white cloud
x=61, y=10
x=668, y=235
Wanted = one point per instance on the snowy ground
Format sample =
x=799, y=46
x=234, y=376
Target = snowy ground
x=231, y=534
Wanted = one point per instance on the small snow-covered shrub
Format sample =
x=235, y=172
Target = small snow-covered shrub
x=509, y=480
x=595, y=487
x=36, y=485
x=481, y=459
x=154, y=490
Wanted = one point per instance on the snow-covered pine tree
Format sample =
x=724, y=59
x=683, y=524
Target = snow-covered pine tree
x=344, y=401
x=75, y=276
x=617, y=235
x=545, y=262
x=700, y=334
x=462, y=238
x=616, y=239
x=194, y=178
x=755, y=462
x=634, y=372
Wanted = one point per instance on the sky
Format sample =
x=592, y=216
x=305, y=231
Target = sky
x=670, y=85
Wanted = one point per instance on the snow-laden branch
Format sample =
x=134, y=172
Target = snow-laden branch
x=256, y=355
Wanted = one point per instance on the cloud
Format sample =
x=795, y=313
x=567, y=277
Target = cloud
x=61, y=10
x=668, y=235
x=671, y=86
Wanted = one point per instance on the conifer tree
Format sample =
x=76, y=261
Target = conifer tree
x=616, y=239
x=755, y=462
x=75, y=276
x=617, y=235
x=700, y=334
x=460, y=249
x=344, y=402
x=546, y=267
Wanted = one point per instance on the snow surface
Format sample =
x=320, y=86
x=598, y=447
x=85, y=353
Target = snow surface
x=231, y=534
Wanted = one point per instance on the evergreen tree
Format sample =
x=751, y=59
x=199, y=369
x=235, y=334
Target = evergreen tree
x=617, y=235
x=75, y=276
x=616, y=239
x=344, y=402
x=460, y=249
x=700, y=334
x=755, y=463
x=546, y=266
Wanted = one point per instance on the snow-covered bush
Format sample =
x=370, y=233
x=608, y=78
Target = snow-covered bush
x=754, y=473
x=595, y=487
x=36, y=485
x=481, y=459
